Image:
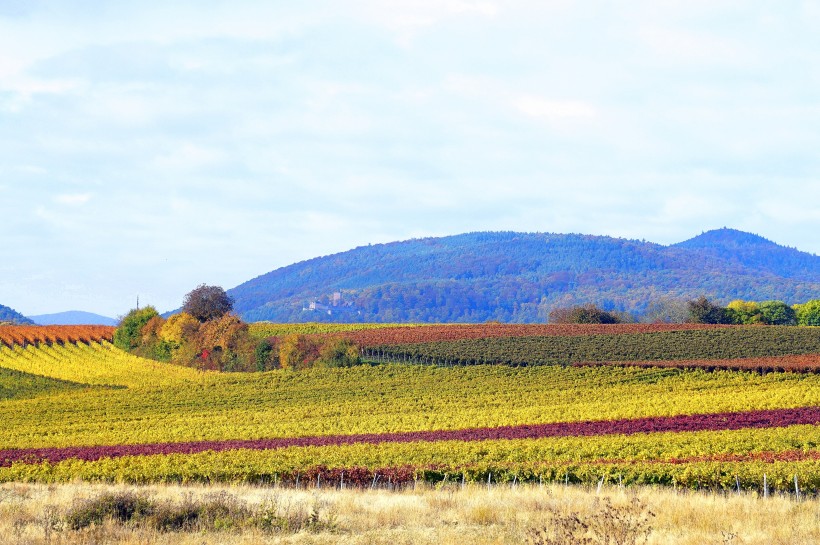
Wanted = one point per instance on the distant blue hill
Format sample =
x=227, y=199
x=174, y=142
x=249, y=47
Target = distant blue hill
x=9, y=315
x=73, y=317
x=520, y=277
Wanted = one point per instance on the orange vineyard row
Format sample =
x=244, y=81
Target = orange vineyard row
x=60, y=334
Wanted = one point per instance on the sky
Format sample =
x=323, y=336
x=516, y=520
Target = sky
x=149, y=147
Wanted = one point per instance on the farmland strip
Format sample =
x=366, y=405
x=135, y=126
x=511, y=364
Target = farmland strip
x=413, y=334
x=683, y=423
x=795, y=363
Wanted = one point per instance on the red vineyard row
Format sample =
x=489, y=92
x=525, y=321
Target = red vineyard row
x=684, y=423
x=61, y=334
x=767, y=456
x=804, y=363
x=435, y=333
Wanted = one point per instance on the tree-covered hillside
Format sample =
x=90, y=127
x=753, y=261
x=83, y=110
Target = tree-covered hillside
x=12, y=316
x=520, y=277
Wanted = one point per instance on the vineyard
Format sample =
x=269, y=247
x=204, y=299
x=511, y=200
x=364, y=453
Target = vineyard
x=60, y=334
x=600, y=344
x=261, y=330
x=385, y=334
x=683, y=406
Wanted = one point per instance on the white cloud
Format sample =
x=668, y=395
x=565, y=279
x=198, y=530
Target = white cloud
x=75, y=199
x=406, y=15
x=188, y=156
x=555, y=110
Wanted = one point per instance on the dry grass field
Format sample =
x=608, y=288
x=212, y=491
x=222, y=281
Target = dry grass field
x=43, y=514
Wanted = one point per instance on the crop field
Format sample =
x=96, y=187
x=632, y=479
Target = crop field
x=614, y=407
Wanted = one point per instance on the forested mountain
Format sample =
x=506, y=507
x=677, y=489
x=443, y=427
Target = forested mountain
x=520, y=277
x=10, y=315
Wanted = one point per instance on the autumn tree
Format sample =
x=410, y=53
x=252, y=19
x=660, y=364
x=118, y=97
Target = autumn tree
x=179, y=332
x=151, y=344
x=227, y=344
x=297, y=352
x=207, y=303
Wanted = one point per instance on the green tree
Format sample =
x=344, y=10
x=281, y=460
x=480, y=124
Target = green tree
x=128, y=335
x=266, y=355
x=808, y=313
x=744, y=312
x=777, y=313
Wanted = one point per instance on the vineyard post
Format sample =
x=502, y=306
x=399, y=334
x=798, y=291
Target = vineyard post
x=342, y=482
x=566, y=479
x=318, y=482
x=463, y=478
x=489, y=476
x=796, y=488
x=765, y=487
x=375, y=478
x=515, y=479
x=600, y=485
x=737, y=481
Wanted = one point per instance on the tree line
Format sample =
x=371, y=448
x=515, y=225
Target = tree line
x=208, y=335
x=700, y=311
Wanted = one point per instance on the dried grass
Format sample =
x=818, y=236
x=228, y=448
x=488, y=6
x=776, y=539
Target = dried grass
x=36, y=515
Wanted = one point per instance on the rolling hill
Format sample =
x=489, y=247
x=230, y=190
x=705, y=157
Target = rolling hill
x=520, y=277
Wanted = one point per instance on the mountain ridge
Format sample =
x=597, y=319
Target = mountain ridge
x=518, y=277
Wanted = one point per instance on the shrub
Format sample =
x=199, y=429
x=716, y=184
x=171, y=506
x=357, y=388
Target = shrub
x=628, y=524
x=339, y=353
x=586, y=314
x=121, y=507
